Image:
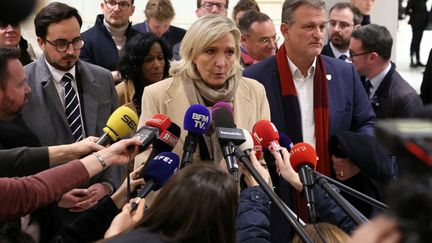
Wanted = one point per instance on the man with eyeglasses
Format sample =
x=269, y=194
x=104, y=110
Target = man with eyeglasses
x=344, y=18
x=312, y=97
x=10, y=36
x=107, y=38
x=390, y=95
x=205, y=7
x=258, y=38
x=71, y=99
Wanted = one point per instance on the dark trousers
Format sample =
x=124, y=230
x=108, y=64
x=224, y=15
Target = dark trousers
x=417, y=35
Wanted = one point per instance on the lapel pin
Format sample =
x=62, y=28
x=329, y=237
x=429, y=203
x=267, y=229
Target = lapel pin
x=329, y=77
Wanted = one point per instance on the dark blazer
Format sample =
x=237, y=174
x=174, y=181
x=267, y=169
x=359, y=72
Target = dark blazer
x=23, y=161
x=426, y=85
x=99, y=47
x=418, y=13
x=349, y=109
x=327, y=51
x=44, y=113
x=395, y=98
x=173, y=35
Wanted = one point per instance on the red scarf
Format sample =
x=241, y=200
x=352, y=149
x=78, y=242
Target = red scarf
x=321, y=110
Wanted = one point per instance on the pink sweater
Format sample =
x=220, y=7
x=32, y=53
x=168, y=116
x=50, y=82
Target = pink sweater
x=20, y=196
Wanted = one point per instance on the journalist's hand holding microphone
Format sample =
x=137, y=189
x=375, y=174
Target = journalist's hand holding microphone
x=286, y=170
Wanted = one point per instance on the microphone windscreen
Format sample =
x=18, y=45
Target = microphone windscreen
x=285, y=141
x=265, y=132
x=121, y=122
x=223, y=118
x=168, y=138
x=160, y=121
x=249, y=143
x=197, y=119
x=161, y=168
x=303, y=154
x=222, y=104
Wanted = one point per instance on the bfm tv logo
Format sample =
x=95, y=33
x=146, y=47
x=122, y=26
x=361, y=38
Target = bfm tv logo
x=200, y=120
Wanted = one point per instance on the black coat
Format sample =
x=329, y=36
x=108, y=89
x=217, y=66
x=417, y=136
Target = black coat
x=327, y=51
x=418, y=13
x=426, y=86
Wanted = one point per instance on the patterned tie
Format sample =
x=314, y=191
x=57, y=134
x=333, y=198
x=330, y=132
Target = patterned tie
x=343, y=57
x=368, y=87
x=73, y=112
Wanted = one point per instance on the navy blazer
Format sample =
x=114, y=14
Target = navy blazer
x=349, y=108
x=100, y=48
x=173, y=35
x=327, y=51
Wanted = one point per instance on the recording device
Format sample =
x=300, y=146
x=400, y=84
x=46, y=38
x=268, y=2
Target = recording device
x=303, y=160
x=121, y=122
x=158, y=171
x=227, y=135
x=196, y=122
x=166, y=142
x=149, y=133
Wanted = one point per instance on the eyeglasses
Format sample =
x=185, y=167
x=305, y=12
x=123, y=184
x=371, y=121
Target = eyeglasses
x=209, y=6
x=266, y=40
x=342, y=25
x=4, y=25
x=62, y=45
x=352, y=54
x=122, y=5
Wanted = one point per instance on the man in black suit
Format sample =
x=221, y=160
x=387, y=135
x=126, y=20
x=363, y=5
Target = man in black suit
x=391, y=96
x=344, y=18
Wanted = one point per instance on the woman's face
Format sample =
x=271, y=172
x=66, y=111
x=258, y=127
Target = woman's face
x=154, y=63
x=215, y=62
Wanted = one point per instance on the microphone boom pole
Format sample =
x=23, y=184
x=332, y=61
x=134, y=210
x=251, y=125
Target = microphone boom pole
x=272, y=195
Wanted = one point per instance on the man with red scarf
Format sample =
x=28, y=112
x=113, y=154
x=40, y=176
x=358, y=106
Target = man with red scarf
x=311, y=96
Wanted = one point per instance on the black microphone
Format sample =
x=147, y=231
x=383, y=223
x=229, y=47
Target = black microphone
x=149, y=133
x=228, y=135
x=159, y=170
x=166, y=142
x=196, y=122
x=303, y=160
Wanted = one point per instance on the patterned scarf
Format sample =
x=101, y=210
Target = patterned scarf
x=292, y=108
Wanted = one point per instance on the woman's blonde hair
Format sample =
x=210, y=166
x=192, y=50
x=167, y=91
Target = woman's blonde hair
x=323, y=231
x=201, y=34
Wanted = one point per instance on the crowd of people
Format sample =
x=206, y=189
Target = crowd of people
x=60, y=183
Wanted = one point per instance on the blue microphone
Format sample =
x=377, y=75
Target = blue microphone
x=156, y=173
x=196, y=122
x=285, y=141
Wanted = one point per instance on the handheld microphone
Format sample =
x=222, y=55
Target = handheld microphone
x=227, y=135
x=257, y=147
x=121, y=122
x=166, y=142
x=158, y=171
x=196, y=122
x=303, y=160
x=285, y=141
x=224, y=105
x=149, y=133
x=248, y=145
x=267, y=135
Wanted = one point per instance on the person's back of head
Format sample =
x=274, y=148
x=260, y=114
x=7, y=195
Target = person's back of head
x=6, y=54
x=198, y=204
x=241, y=7
x=375, y=38
x=323, y=233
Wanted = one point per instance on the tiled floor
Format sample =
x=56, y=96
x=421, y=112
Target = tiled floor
x=413, y=76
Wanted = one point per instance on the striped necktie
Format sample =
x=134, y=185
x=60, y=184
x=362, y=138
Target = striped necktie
x=368, y=87
x=73, y=112
x=343, y=57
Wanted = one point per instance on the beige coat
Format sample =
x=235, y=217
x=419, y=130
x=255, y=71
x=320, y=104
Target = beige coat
x=169, y=97
x=125, y=92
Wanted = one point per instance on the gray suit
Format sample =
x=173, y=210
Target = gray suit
x=44, y=113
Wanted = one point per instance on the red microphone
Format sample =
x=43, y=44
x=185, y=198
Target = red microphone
x=267, y=135
x=303, y=154
x=149, y=133
x=303, y=159
x=160, y=121
x=257, y=147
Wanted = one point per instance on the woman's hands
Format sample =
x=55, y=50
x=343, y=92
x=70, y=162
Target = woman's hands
x=286, y=170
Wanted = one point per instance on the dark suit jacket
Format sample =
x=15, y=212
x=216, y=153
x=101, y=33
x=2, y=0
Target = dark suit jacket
x=173, y=35
x=327, y=51
x=44, y=113
x=418, y=13
x=395, y=98
x=426, y=86
x=99, y=47
x=349, y=109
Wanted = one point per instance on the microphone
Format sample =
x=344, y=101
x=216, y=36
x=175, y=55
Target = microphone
x=227, y=135
x=285, y=141
x=149, y=133
x=222, y=104
x=257, y=147
x=121, y=122
x=166, y=141
x=158, y=171
x=248, y=144
x=267, y=135
x=303, y=160
x=196, y=122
